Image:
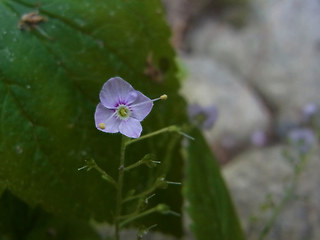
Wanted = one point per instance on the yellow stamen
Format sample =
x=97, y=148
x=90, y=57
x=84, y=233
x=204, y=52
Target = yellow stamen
x=163, y=97
x=102, y=125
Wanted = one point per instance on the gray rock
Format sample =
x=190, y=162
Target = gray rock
x=257, y=174
x=235, y=48
x=106, y=231
x=239, y=112
x=192, y=6
x=179, y=14
x=278, y=52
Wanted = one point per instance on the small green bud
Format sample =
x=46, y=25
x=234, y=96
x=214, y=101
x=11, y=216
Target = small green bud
x=152, y=164
x=174, y=129
x=162, y=183
x=162, y=208
x=144, y=231
x=148, y=160
x=90, y=164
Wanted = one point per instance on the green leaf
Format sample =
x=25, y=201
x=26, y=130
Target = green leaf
x=210, y=206
x=50, y=77
x=19, y=221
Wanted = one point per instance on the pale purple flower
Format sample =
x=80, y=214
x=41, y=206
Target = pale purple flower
x=259, y=138
x=203, y=117
x=121, y=108
x=309, y=110
x=302, y=139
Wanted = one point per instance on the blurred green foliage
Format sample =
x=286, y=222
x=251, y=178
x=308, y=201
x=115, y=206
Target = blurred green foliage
x=52, y=68
x=19, y=221
x=51, y=73
x=210, y=206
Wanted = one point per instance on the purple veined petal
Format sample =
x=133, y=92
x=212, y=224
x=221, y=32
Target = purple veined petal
x=132, y=96
x=115, y=91
x=141, y=107
x=130, y=127
x=108, y=118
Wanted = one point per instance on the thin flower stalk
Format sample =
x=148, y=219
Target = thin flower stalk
x=119, y=188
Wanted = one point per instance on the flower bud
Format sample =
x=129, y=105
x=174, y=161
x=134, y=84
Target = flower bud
x=162, y=183
x=162, y=208
x=148, y=160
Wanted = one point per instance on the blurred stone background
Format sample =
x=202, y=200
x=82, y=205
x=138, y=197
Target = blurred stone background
x=258, y=62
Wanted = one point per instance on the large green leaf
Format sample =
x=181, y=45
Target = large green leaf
x=50, y=78
x=210, y=207
x=19, y=221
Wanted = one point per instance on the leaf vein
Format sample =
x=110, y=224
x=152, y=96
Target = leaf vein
x=83, y=31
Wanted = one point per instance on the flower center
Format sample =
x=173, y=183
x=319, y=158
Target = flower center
x=123, y=111
x=201, y=118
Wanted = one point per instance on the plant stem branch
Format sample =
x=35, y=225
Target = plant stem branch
x=145, y=213
x=172, y=128
x=276, y=212
x=134, y=165
x=143, y=194
x=105, y=175
x=285, y=199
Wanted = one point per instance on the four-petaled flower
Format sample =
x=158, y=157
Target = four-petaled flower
x=121, y=108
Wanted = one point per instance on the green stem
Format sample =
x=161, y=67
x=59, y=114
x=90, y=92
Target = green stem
x=143, y=214
x=285, y=200
x=143, y=194
x=146, y=160
x=137, y=164
x=105, y=175
x=119, y=188
x=276, y=212
x=136, y=212
x=172, y=128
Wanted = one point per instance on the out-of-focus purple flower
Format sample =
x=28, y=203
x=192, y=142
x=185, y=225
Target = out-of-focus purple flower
x=203, y=117
x=309, y=110
x=302, y=139
x=259, y=138
x=121, y=108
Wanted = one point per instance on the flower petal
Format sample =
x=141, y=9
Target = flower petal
x=107, y=117
x=203, y=117
x=132, y=96
x=141, y=107
x=130, y=127
x=212, y=115
x=116, y=91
